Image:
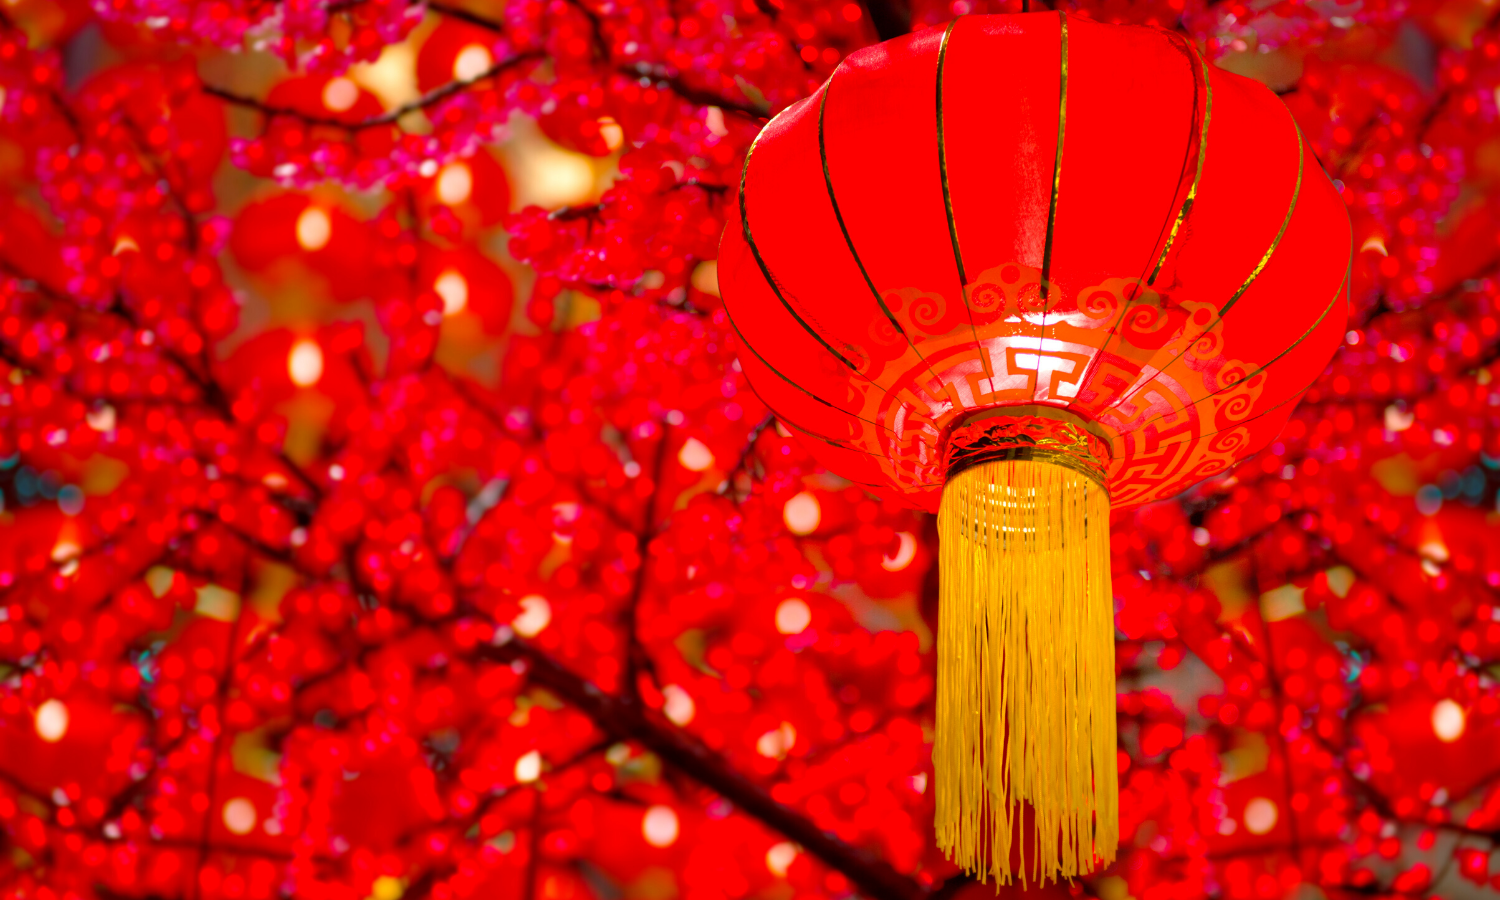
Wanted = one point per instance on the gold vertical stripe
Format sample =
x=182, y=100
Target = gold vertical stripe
x=777, y=372
x=1305, y=335
x=1062, y=122
x=755, y=251
x=958, y=257
x=1187, y=204
x=1291, y=208
x=843, y=229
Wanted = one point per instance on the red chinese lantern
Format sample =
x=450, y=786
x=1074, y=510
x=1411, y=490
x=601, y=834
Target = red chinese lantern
x=1018, y=272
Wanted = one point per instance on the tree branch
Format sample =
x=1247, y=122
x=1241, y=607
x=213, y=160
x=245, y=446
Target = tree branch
x=626, y=720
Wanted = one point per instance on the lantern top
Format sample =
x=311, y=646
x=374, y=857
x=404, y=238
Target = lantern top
x=1031, y=212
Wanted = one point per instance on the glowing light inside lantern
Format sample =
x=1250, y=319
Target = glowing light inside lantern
x=1260, y=815
x=677, y=705
x=454, y=184
x=305, y=363
x=659, y=826
x=780, y=858
x=1448, y=721
x=529, y=767
x=314, y=228
x=340, y=94
x=239, y=815
x=802, y=514
x=536, y=614
x=906, y=551
x=472, y=62
x=51, y=721
x=695, y=455
x=454, y=290
x=793, y=616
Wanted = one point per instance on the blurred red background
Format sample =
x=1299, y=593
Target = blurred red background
x=385, y=515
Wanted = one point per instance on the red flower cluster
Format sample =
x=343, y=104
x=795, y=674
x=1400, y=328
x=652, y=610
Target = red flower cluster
x=385, y=513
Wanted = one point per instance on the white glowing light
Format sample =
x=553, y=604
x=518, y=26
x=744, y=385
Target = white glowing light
x=780, y=858
x=802, y=514
x=239, y=815
x=340, y=94
x=793, y=616
x=775, y=744
x=1260, y=815
x=536, y=614
x=1448, y=721
x=529, y=767
x=695, y=455
x=454, y=290
x=659, y=826
x=905, y=553
x=314, y=228
x=677, y=705
x=454, y=184
x=305, y=363
x=51, y=721
x=472, y=62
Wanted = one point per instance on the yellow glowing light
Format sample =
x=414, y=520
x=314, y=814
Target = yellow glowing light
x=51, y=721
x=659, y=826
x=695, y=455
x=1448, y=721
x=905, y=553
x=677, y=705
x=529, y=767
x=793, y=616
x=305, y=363
x=802, y=514
x=780, y=858
x=1260, y=815
x=472, y=62
x=536, y=614
x=239, y=815
x=314, y=228
x=454, y=290
x=611, y=132
x=454, y=184
x=775, y=744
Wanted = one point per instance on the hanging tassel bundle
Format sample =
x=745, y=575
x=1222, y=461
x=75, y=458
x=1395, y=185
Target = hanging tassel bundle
x=1027, y=781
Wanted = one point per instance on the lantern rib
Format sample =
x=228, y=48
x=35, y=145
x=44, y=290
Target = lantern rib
x=1259, y=267
x=958, y=256
x=1305, y=335
x=1062, y=122
x=843, y=229
x=777, y=372
x=1270, y=251
x=1187, y=204
x=766, y=271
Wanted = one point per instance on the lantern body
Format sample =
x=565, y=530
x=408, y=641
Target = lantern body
x=957, y=222
x=1032, y=267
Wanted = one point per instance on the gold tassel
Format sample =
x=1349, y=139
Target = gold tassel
x=1025, y=751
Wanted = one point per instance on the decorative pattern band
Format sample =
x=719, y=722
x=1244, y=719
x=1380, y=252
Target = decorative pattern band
x=1028, y=437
